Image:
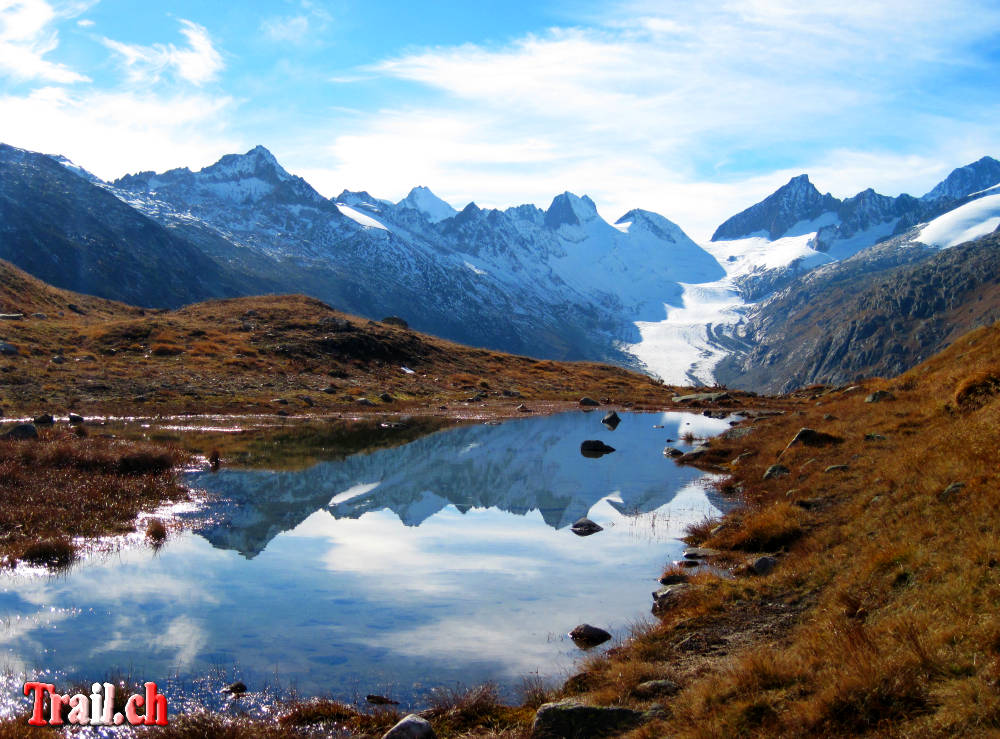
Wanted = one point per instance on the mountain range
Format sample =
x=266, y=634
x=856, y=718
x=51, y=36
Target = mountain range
x=558, y=283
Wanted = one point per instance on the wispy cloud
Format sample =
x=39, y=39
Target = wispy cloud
x=663, y=106
x=27, y=35
x=198, y=63
x=298, y=27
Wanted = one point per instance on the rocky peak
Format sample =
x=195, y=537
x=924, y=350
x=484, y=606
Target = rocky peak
x=423, y=200
x=966, y=180
x=570, y=209
x=796, y=201
x=638, y=220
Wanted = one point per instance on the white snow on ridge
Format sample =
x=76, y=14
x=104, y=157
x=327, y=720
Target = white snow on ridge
x=423, y=200
x=365, y=220
x=967, y=222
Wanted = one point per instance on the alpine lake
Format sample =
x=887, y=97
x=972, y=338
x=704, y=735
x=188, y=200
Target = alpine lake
x=342, y=558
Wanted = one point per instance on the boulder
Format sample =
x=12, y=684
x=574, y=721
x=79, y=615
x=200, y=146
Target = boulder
x=701, y=398
x=874, y=437
x=668, y=596
x=776, y=470
x=694, y=454
x=8, y=350
x=585, y=527
x=763, y=565
x=571, y=718
x=700, y=553
x=386, y=398
x=812, y=437
x=587, y=401
x=655, y=688
x=234, y=689
x=587, y=636
x=380, y=700
x=395, y=321
x=364, y=402
x=879, y=396
x=21, y=432
x=595, y=448
x=411, y=727
x=45, y=419
x=524, y=409
x=672, y=452
x=11, y=316
x=611, y=420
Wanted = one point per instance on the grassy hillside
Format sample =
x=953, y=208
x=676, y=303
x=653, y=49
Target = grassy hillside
x=274, y=354
x=880, y=617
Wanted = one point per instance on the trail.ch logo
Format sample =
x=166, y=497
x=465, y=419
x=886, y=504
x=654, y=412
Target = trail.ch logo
x=96, y=709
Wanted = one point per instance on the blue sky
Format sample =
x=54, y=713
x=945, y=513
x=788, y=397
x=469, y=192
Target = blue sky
x=694, y=110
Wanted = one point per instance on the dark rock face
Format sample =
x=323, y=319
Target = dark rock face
x=876, y=314
x=799, y=200
x=966, y=180
x=587, y=636
x=611, y=420
x=585, y=527
x=570, y=718
x=594, y=448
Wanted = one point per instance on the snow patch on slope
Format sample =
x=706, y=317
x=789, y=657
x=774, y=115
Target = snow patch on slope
x=967, y=222
x=365, y=220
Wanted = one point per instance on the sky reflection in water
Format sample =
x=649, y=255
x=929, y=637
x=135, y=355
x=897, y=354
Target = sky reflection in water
x=447, y=560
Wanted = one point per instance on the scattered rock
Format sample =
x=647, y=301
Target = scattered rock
x=669, y=595
x=585, y=527
x=740, y=457
x=571, y=718
x=75, y=419
x=672, y=452
x=874, y=437
x=698, y=451
x=587, y=401
x=334, y=323
x=700, y=553
x=386, y=398
x=809, y=504
x=812, y=437
x=395, y=321
x=655, y=688
x=951, y=490
x=39, y=316
x=686, y=563
x=307, y=400
x=411, y=727
x=736, y=433
x=380, y=700
x=330, y=389
x=281, y=412
x=776, y=470
x=58, y=359
x=595, y=448
x=587, y=636
x=715, y=414
x=45, y=419
x=837, y=468
x=364, y=402
x=524, y=409
x=674, y=578
x=611, y=420
x=11, y=316
x=763, y=566
x=879, y=396
x=700, y=397
x=8, y=350
x=77, y=309
x=21, y=432
x=510, y=393
x=280, y=401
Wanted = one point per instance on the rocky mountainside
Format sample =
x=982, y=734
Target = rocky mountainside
x=878, y=313
x=60, y=227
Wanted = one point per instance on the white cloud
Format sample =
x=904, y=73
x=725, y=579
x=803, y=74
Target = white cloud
x=111, y=133
x=85, y=23
x=26, y=37
x=198, y=63
x=292, y=29
x=680, y=109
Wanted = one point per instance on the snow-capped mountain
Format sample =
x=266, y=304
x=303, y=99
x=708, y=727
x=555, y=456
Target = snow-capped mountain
x=559, y=282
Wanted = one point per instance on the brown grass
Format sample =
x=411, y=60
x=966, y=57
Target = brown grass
x=880, y=619
x=62, y=487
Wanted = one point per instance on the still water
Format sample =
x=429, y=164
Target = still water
x=444, y=561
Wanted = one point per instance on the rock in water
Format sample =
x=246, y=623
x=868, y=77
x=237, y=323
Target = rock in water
x=380, y=700
x=585, y=527
x=571, y=718
x=587, y=636
x=411, y=727
x=595, y=448
x=611, y=420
